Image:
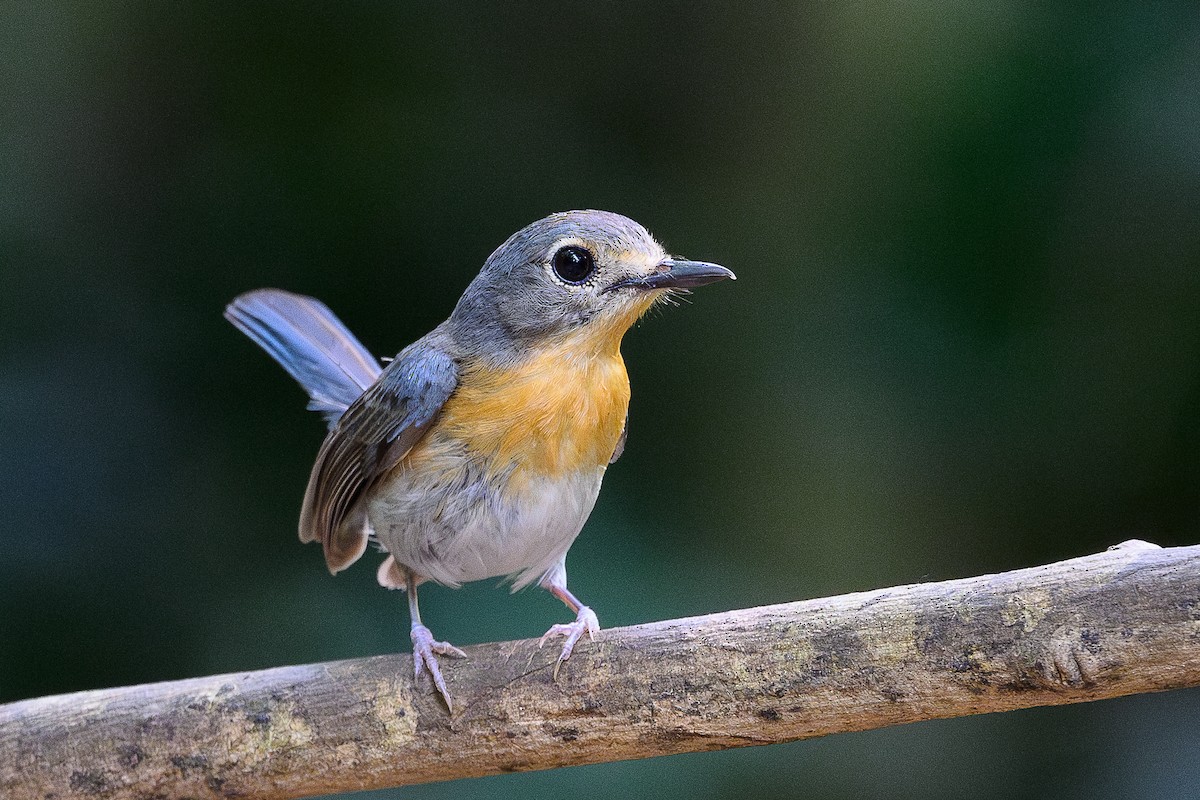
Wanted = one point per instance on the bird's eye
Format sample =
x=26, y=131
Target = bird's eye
x=574, y=264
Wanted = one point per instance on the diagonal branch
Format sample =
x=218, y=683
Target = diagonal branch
x=1116, y=623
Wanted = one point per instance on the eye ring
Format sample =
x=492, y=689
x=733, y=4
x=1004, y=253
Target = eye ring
x=573, y=264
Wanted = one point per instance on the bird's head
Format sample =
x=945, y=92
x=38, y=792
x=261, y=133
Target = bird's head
x=586, y=275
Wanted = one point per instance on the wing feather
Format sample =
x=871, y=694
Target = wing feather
x=620, y=448
x=370, y=438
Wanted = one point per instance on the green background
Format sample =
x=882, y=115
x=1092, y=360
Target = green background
x=965, y=338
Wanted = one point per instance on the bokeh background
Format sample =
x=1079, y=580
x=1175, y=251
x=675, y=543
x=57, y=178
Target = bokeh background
x=965, y=338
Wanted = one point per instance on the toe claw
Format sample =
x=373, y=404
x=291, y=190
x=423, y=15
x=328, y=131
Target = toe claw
x=585, y=622
x=424, y=648
x=447, y=649
x=558, y=629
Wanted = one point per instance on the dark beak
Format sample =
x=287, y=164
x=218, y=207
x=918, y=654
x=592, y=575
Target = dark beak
x=675, y=273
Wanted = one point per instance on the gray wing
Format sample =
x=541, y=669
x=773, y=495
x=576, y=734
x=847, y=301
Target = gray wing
x=308, y=341
x=620, y=448
x=375, y=433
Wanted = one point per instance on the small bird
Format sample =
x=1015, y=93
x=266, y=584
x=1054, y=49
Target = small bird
x=478, y=451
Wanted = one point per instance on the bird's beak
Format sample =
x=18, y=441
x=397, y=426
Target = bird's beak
x=675, y=273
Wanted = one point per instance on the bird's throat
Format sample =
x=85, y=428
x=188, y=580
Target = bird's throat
x=558, y=411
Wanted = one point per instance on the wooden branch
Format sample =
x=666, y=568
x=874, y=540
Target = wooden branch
x=1106, y=625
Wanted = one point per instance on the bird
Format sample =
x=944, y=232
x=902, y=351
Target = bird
x=478, y=450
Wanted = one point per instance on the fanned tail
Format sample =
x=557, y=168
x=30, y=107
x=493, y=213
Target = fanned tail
x=308, y=341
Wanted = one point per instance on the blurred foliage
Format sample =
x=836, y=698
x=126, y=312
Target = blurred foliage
x=966, y=336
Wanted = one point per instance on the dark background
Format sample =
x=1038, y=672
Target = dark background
x=965, y=338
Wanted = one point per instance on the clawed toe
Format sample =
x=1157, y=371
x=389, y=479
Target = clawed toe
x=424, y=658
x=585, y=622
x=447, y=649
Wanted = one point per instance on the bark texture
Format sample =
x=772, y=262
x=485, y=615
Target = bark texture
x=1106, y=625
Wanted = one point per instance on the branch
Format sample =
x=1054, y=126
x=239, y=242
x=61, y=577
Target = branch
x=1117, y=623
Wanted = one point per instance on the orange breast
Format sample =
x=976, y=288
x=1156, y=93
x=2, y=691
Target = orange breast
x=559, y=411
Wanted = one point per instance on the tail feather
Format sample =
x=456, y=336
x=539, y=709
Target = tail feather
x=308, y=341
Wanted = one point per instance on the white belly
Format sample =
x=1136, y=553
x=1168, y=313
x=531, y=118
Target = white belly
x=470, y=530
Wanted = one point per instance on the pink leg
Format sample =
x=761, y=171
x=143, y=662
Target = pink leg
x=585, y=619
x=424, y=646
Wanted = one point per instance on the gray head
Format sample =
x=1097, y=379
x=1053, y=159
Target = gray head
x=589, y=274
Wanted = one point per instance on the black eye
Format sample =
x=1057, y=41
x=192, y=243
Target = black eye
x=573, y=264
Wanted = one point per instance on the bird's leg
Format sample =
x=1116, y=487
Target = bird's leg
x=425, y=646
x=585, y=618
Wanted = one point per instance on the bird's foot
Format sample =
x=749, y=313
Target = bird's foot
x=424, y=648
x=585, y=622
